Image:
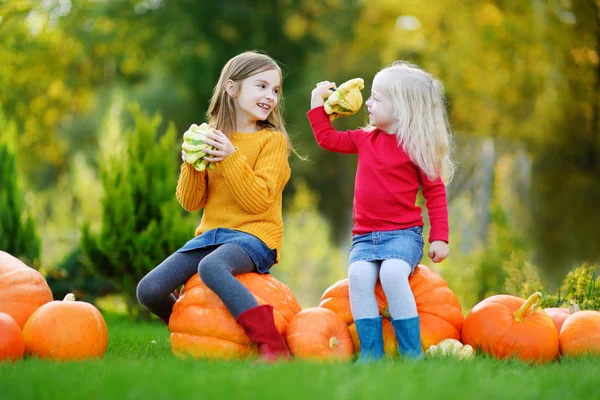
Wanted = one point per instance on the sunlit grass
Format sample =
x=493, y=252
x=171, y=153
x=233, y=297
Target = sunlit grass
x=139, y=364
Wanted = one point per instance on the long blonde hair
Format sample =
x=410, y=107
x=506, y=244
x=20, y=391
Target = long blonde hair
x=221, y=113
x=421, y=122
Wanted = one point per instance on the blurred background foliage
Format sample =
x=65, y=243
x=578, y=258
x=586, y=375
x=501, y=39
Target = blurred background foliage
x=96, y=93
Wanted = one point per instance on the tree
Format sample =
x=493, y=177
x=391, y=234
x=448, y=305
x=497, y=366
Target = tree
x=142, y=222
x=18, y=235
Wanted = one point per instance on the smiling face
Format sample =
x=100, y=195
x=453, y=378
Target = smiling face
x=257, y=96
x=379, y=104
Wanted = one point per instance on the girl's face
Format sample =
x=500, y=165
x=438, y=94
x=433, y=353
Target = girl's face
x=379, y=105
x=257, y=96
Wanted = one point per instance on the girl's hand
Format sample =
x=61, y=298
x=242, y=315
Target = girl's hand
x=321, y=92
x=438, y=251
x=223, y=146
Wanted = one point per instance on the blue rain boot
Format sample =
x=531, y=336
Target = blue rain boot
x=408, y=333
x=370, y=335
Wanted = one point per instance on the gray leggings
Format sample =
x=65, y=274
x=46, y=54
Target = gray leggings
x=216, y=265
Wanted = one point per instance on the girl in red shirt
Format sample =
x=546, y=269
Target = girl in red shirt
x=405, y=147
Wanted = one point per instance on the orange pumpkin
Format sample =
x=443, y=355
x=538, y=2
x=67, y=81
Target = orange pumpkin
x=504, y=326
x=22, y=289
x=559, y=315
x=438, y=307
x=66, y=330
x=580, y=334
x=12, y=346
x=202, y=327
x=319, y=334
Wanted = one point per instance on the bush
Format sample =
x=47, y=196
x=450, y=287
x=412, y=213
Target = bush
x=142, y=222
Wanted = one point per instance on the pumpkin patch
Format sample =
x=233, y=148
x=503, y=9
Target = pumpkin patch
x=22, y=289
x=506, y=326
x=560, y=314
x=12, y=346
x=439, y=310
x=580, y=334
x=66, y=330
x=319, y=334
x=202, y=327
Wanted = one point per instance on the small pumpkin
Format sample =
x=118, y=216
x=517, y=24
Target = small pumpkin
x=22, y=289
x=319, y=334
x=202, y=327
x=560, y=314
x=452, y=348
x=12, y=346
x=439, y=310
x=580, y=334
x=66, y=330
x=504, y=326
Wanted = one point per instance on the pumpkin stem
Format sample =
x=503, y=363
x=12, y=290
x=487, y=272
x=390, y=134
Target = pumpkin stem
x=69, y=297
x=333, y=342
x=520, y=313
x=574, y=308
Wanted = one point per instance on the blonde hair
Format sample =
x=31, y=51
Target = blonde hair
x=421, y=122
x=221, y=113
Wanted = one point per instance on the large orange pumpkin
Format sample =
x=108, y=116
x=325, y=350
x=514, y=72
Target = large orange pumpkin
x=438, y=307
x=202, y=327
x=66, y=330
x=319, y=334
x=12, y=346
x=506, y=326
x=22, y=289
x=560, y=314
x=580, y=334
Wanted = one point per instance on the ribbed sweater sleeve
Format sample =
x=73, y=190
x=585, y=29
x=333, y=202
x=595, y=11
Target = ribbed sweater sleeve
x=255, y=190
x=191, y=188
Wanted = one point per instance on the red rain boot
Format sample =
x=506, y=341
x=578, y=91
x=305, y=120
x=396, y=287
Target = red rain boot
x=259, y=325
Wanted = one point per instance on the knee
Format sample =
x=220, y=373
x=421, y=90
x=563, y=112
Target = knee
x=147, y=292
x=210, y=272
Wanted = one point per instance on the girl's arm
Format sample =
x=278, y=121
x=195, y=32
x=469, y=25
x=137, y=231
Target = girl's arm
x=326, y=135
x=191, y=188
x=437, y=207
x=255, y=190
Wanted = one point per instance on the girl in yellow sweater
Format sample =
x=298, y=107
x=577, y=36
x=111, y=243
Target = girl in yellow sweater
x=242, y=227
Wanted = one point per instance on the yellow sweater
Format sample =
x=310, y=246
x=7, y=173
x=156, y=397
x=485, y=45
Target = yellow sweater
x=244, y=192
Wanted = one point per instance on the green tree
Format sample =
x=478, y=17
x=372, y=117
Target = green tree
x=142, y=222
x=18, y=235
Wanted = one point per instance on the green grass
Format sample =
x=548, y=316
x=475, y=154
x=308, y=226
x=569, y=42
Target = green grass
x=136, y=368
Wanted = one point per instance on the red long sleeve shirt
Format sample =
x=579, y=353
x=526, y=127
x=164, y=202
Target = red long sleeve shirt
x=387, y=181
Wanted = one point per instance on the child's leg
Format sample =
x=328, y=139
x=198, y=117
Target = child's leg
x=394, y=279
x=394, y=275
x=155, y=290
x=362, y=277
x=217, y=272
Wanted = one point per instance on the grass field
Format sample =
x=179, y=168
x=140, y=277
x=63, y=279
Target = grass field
x=139, y=365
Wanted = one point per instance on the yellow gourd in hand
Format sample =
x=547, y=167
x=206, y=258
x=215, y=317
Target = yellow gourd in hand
x=194, y=146
x=346, y=100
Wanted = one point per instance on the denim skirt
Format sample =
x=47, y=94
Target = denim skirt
x=261, y=254
x=403, y=244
